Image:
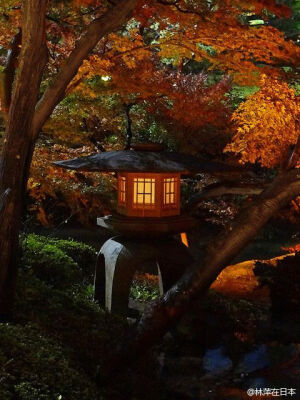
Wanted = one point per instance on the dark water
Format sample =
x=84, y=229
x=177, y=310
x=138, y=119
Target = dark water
x=264, y=366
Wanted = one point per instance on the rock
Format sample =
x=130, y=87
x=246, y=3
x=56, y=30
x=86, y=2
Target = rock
x=266, y=355
x=254, y=360
x=215, y=362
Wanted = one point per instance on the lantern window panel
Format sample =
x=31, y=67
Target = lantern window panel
x=122, y=189
x=144, y=192
x=170, y=188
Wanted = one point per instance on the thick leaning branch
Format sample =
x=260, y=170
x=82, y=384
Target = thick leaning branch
x=112, y=20
x=220, y=189
x=198, y=278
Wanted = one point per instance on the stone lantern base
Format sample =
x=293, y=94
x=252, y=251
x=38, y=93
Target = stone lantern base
x=147, y=227
x=120, y=258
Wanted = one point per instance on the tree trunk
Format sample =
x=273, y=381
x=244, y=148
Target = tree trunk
x=26, y=118
x=18, y=144
x=197, y=279
x=127, y=108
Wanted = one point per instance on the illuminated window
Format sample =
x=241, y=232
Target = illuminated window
x=122, y=189
x=144, y=192
x=170, y=185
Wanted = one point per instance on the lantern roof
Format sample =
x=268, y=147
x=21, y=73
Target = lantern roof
x=144, y=161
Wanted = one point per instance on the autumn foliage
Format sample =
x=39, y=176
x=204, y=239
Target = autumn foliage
x=267, y=124
x=178, y=64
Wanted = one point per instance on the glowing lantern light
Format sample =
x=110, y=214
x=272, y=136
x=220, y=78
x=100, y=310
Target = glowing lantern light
x=148, y=194
x=184, y=239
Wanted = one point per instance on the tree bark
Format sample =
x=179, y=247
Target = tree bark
x=127, y=108
x=197, y=279
x=18, y=142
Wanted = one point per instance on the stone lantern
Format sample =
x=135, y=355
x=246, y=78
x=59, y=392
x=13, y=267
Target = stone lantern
x=147, y=218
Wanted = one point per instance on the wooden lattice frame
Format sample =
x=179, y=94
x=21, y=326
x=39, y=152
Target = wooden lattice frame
x=167, y=194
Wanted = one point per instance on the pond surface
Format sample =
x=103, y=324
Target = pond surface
x=218, y=377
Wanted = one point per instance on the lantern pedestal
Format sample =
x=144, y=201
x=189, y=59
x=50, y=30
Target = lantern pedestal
x=121, y=257
x=147, y=227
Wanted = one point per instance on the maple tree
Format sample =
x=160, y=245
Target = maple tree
x=57, y=195
x=151, y=60
x=202, y=33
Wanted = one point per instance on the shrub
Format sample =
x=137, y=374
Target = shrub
x=144, y=287
x=58, y=262
x=49, y=263
x=283, y=281
x=36, y=367
x=81, y=253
